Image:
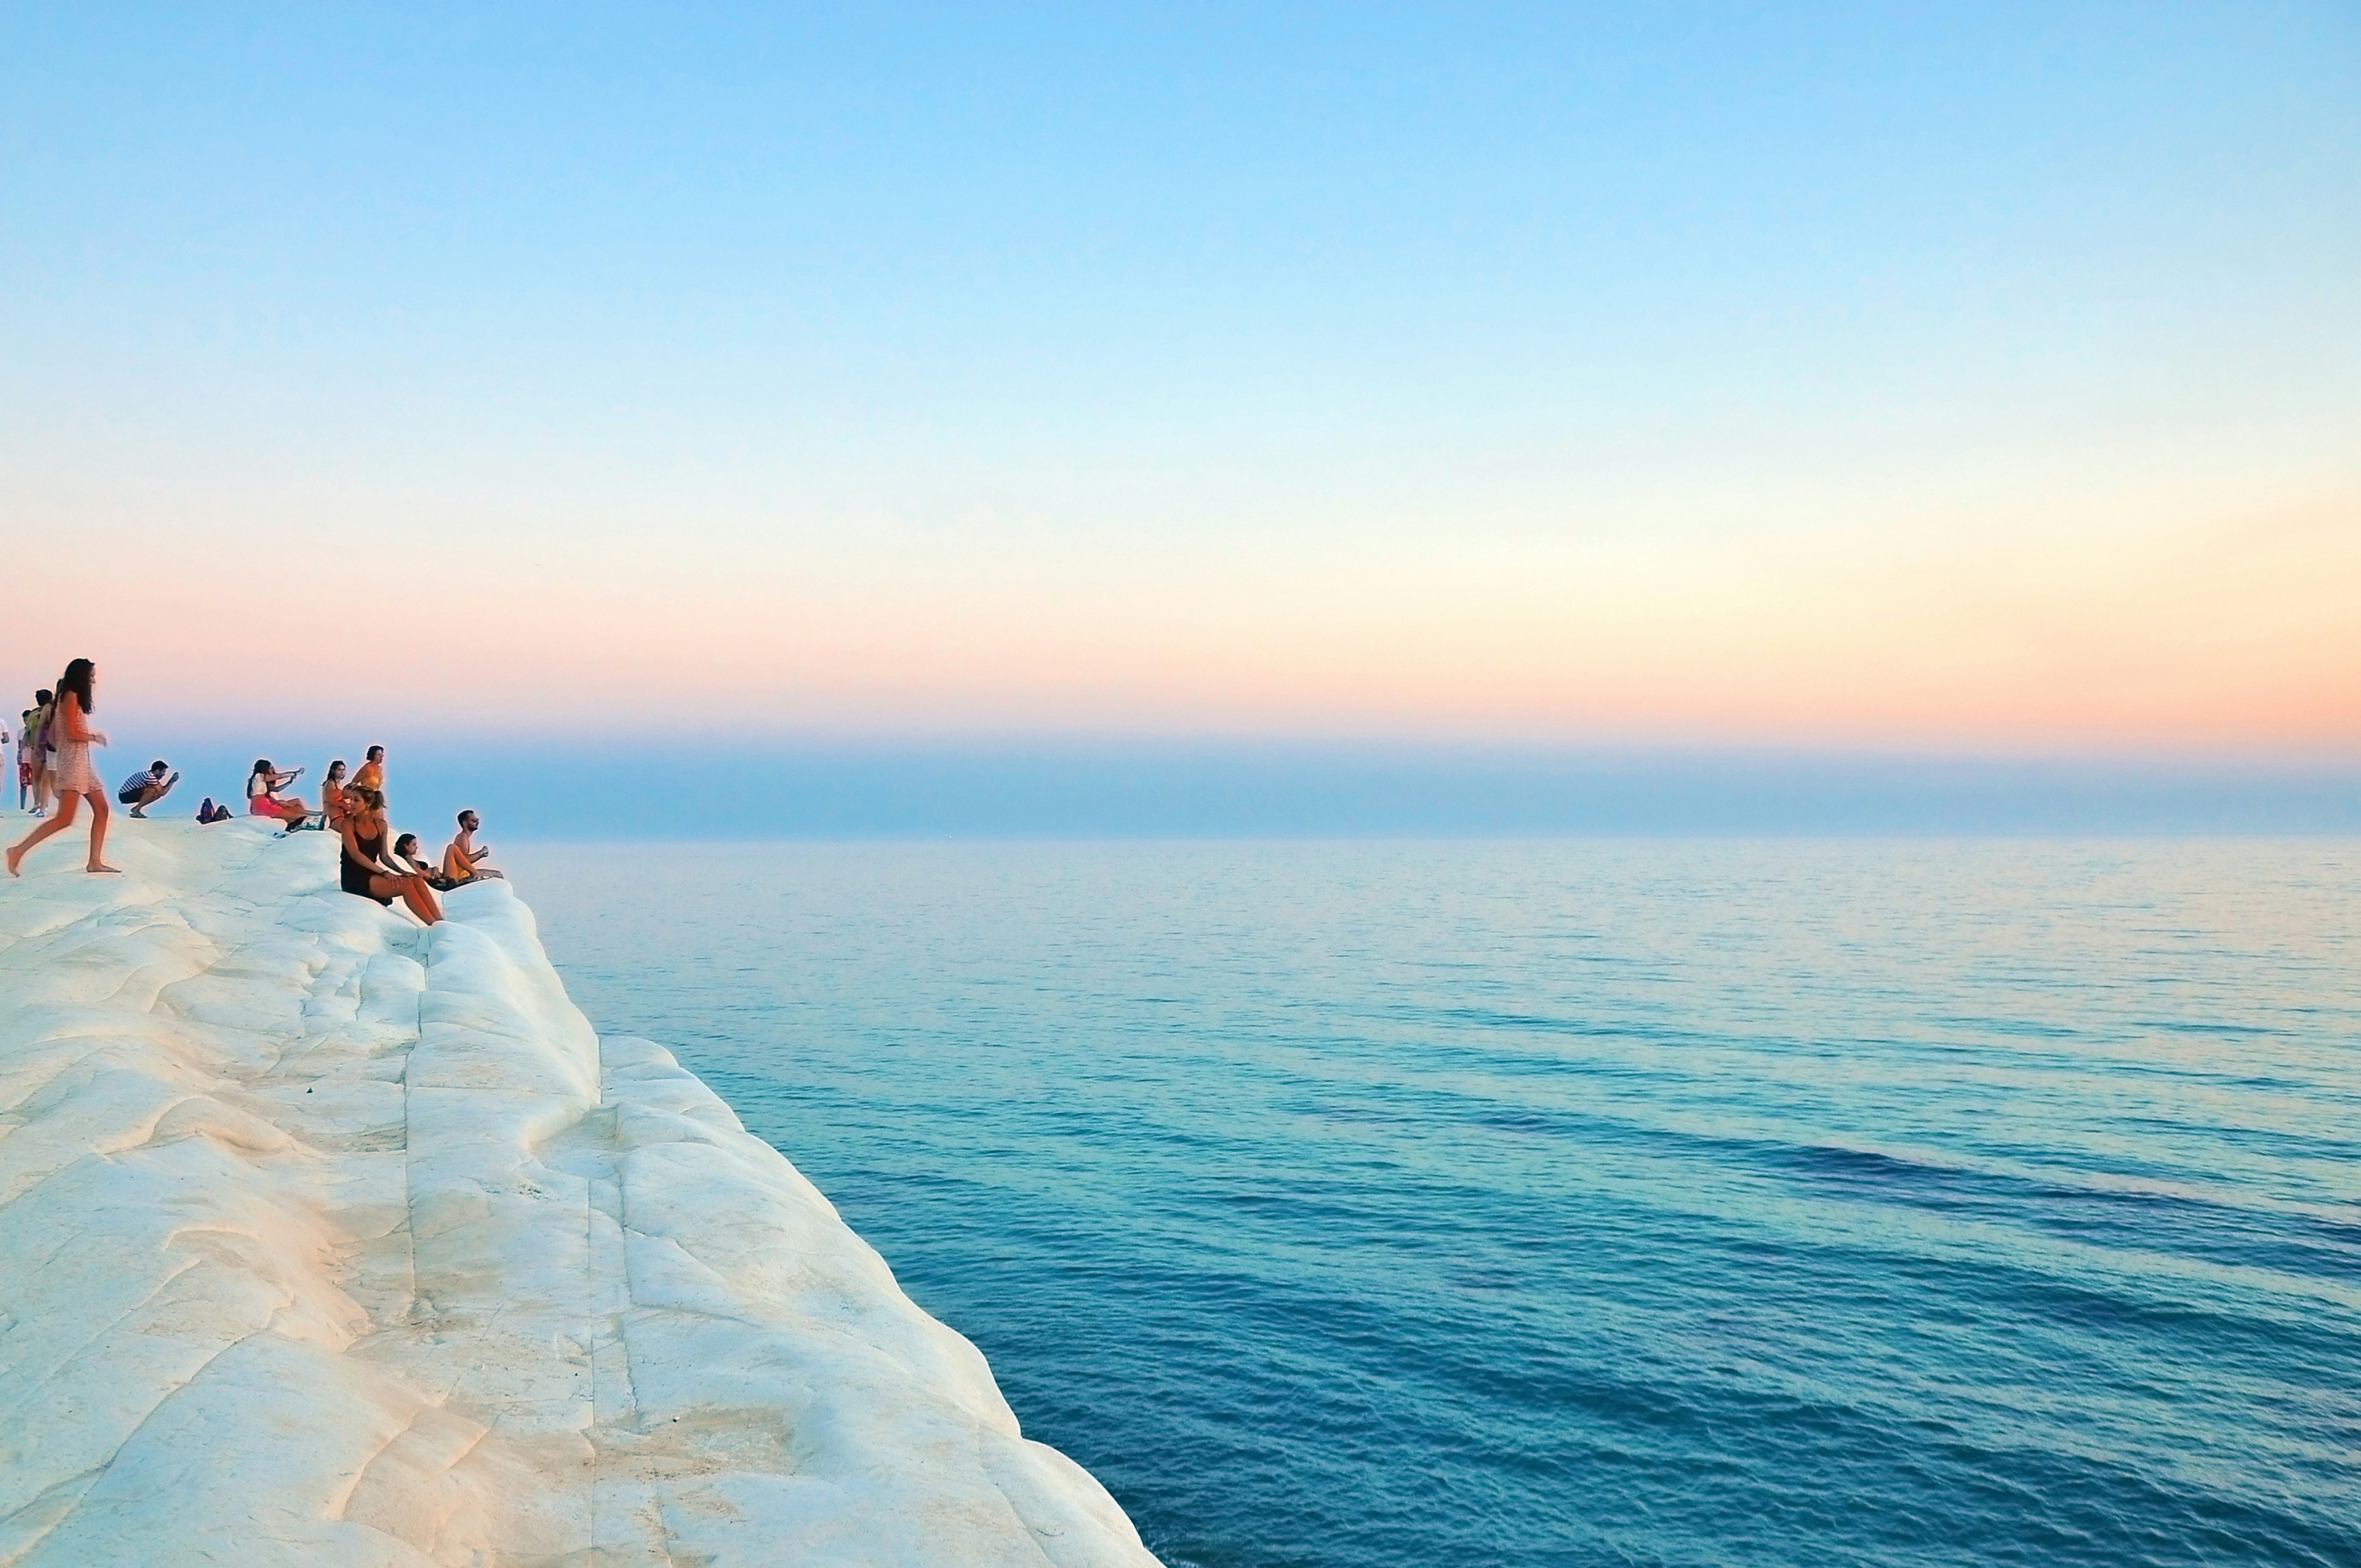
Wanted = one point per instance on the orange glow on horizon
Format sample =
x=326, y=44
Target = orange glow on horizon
x=2241, y=632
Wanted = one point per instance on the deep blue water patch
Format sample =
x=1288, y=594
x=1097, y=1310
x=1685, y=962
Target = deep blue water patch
x=1392, y=1205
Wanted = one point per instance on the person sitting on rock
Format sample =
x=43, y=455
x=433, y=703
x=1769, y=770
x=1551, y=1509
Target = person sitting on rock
x=366, y=870
x=462, y=862
x=406, y=853
x=332, y=797
x=147, y=787
x=262, y=787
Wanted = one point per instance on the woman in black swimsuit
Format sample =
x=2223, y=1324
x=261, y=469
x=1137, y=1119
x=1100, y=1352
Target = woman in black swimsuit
x=363, y=867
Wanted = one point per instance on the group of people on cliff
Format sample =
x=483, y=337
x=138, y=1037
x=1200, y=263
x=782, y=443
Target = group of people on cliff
x=53, y=766
x=367, y=867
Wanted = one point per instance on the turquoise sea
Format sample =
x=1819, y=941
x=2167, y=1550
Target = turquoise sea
x=1401, y=1205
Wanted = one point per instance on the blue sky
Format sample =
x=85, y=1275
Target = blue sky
x=977, y=242
x=1875, y=380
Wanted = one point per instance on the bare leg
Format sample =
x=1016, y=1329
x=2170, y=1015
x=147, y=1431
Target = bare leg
x=422, y=900
x=50, y=830
x=99, y=814
x=412, y=891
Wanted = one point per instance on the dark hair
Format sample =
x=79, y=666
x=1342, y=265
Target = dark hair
x=411, y=839
x=262, y=765
x=372, y=798
x=159, y=765
x=464, y=812
x=336, y=767
x=45, y=696
x=77, y=680
x=375, y=752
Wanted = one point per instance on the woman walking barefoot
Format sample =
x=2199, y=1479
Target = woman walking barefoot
x=70, y=732
x=364, y=867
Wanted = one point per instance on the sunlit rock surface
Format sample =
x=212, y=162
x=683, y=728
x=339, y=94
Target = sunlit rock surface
x=326, y=1239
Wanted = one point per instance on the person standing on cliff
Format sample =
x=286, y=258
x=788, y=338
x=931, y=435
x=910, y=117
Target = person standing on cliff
x=28, y=755
x=36, y=741
x=71, y=733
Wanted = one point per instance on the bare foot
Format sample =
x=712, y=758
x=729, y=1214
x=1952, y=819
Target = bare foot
x=105, y=871
x=15, y=858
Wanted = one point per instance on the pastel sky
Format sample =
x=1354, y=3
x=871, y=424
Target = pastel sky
x=1980, y=378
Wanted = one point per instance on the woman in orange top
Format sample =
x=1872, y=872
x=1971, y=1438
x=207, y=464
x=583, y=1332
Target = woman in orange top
x=74, y=777
x=332, y=797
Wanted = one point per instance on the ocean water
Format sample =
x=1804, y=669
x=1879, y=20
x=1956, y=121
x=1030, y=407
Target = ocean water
x=1401, y=1205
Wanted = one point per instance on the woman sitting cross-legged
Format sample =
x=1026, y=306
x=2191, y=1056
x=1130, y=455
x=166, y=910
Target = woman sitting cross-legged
x=262, y=787
x=366, y=870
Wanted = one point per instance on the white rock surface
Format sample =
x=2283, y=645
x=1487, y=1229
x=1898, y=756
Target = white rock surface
x=325, y=1239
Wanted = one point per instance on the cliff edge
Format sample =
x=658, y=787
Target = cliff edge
x=328, y=1240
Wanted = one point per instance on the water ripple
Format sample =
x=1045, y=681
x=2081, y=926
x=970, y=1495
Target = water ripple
x=1397, y=1205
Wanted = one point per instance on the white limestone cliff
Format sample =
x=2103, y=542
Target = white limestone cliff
x=325, y=1239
